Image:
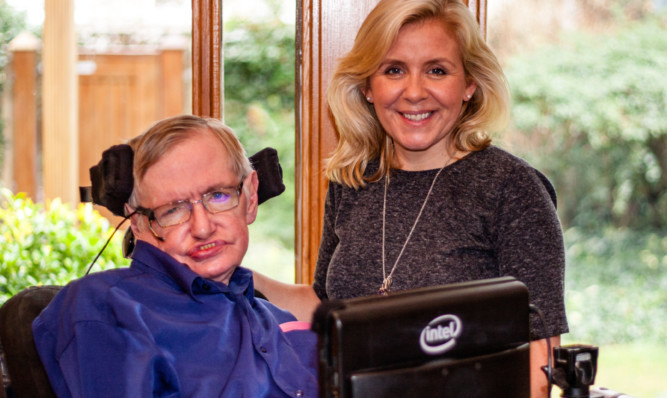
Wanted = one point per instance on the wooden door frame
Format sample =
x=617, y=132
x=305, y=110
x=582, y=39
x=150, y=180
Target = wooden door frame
x=317, y=46
x=207, y=63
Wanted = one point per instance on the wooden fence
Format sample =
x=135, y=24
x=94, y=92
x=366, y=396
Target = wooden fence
x=120, y=95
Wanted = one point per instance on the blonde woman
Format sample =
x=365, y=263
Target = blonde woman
x=418, y=196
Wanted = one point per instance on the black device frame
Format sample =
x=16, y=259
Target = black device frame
x=370, y=347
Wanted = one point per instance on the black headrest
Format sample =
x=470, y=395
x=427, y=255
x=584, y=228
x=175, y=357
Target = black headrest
x=112, y=179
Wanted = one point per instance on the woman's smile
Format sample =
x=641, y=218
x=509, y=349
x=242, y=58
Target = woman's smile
x=417, y=117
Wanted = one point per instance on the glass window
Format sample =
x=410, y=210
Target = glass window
x=259, y=89
x=589, y=92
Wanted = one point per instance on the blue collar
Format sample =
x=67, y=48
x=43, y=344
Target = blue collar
x=151, y=259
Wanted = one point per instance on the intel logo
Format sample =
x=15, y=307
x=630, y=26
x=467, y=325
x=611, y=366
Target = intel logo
x=440, y=334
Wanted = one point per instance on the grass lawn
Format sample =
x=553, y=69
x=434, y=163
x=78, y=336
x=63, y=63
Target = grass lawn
x=637, y=369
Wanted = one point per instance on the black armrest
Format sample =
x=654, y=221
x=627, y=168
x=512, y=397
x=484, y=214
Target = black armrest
x=26, y=372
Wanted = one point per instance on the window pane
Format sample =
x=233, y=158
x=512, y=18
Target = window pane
x=589, y=94
x=134, y=69
x=259, y=105
x=123, y=65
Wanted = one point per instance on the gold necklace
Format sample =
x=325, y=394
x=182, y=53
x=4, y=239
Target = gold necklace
x=386, y=282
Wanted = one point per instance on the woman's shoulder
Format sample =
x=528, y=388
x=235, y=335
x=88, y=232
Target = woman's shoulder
x=495, y=162
x=369, y=169
x=499, y=157
x=507, y=169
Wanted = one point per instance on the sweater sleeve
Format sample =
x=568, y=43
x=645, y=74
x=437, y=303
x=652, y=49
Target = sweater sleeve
x=529, y=246
x=328, y=242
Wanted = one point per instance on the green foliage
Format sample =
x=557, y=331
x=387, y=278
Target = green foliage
x=590, y=113
x=53, y=244
x=616, y=286
x=593, y=112
x=11, y=24
x=259, y=63
x=259, y=105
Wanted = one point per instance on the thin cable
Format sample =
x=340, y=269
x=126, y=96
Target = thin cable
x=90, y=267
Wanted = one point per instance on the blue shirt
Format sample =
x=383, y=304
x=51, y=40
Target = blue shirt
x=159, y=329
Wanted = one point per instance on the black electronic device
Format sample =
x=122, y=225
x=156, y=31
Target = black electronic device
x=467, y=339
x=575, y=367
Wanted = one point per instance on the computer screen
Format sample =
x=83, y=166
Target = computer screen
x=460, y=340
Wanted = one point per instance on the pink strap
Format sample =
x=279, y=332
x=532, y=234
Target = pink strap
x=294, y=325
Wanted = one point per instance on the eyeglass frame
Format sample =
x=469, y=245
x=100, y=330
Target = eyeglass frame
x=150, y=213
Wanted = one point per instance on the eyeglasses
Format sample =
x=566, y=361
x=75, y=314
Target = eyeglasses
x=175, y=213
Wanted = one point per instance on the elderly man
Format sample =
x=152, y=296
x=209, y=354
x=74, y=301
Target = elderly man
x=182, y=320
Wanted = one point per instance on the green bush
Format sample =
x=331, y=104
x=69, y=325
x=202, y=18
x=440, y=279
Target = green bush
x=50, y=244
x=616, y=286
x=591, y=111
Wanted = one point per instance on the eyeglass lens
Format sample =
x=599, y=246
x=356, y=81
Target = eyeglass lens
x=179, y=212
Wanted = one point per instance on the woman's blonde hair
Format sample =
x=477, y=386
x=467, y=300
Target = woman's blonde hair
x=150, y=146
x=361, y=137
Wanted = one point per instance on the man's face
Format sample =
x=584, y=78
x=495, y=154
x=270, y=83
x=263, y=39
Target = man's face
x=212, y=245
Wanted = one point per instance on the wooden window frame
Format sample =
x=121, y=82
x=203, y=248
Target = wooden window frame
x=207, y=64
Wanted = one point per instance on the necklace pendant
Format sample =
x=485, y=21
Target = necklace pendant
x=385, y=288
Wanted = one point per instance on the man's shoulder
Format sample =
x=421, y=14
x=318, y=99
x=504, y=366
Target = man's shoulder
x=101, y=281
x=86, y=298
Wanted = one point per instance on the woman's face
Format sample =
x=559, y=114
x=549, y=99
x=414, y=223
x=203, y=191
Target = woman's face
x=212, y=245
x=418, y=92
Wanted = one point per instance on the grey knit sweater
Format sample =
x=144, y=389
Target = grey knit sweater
x=490, y=214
